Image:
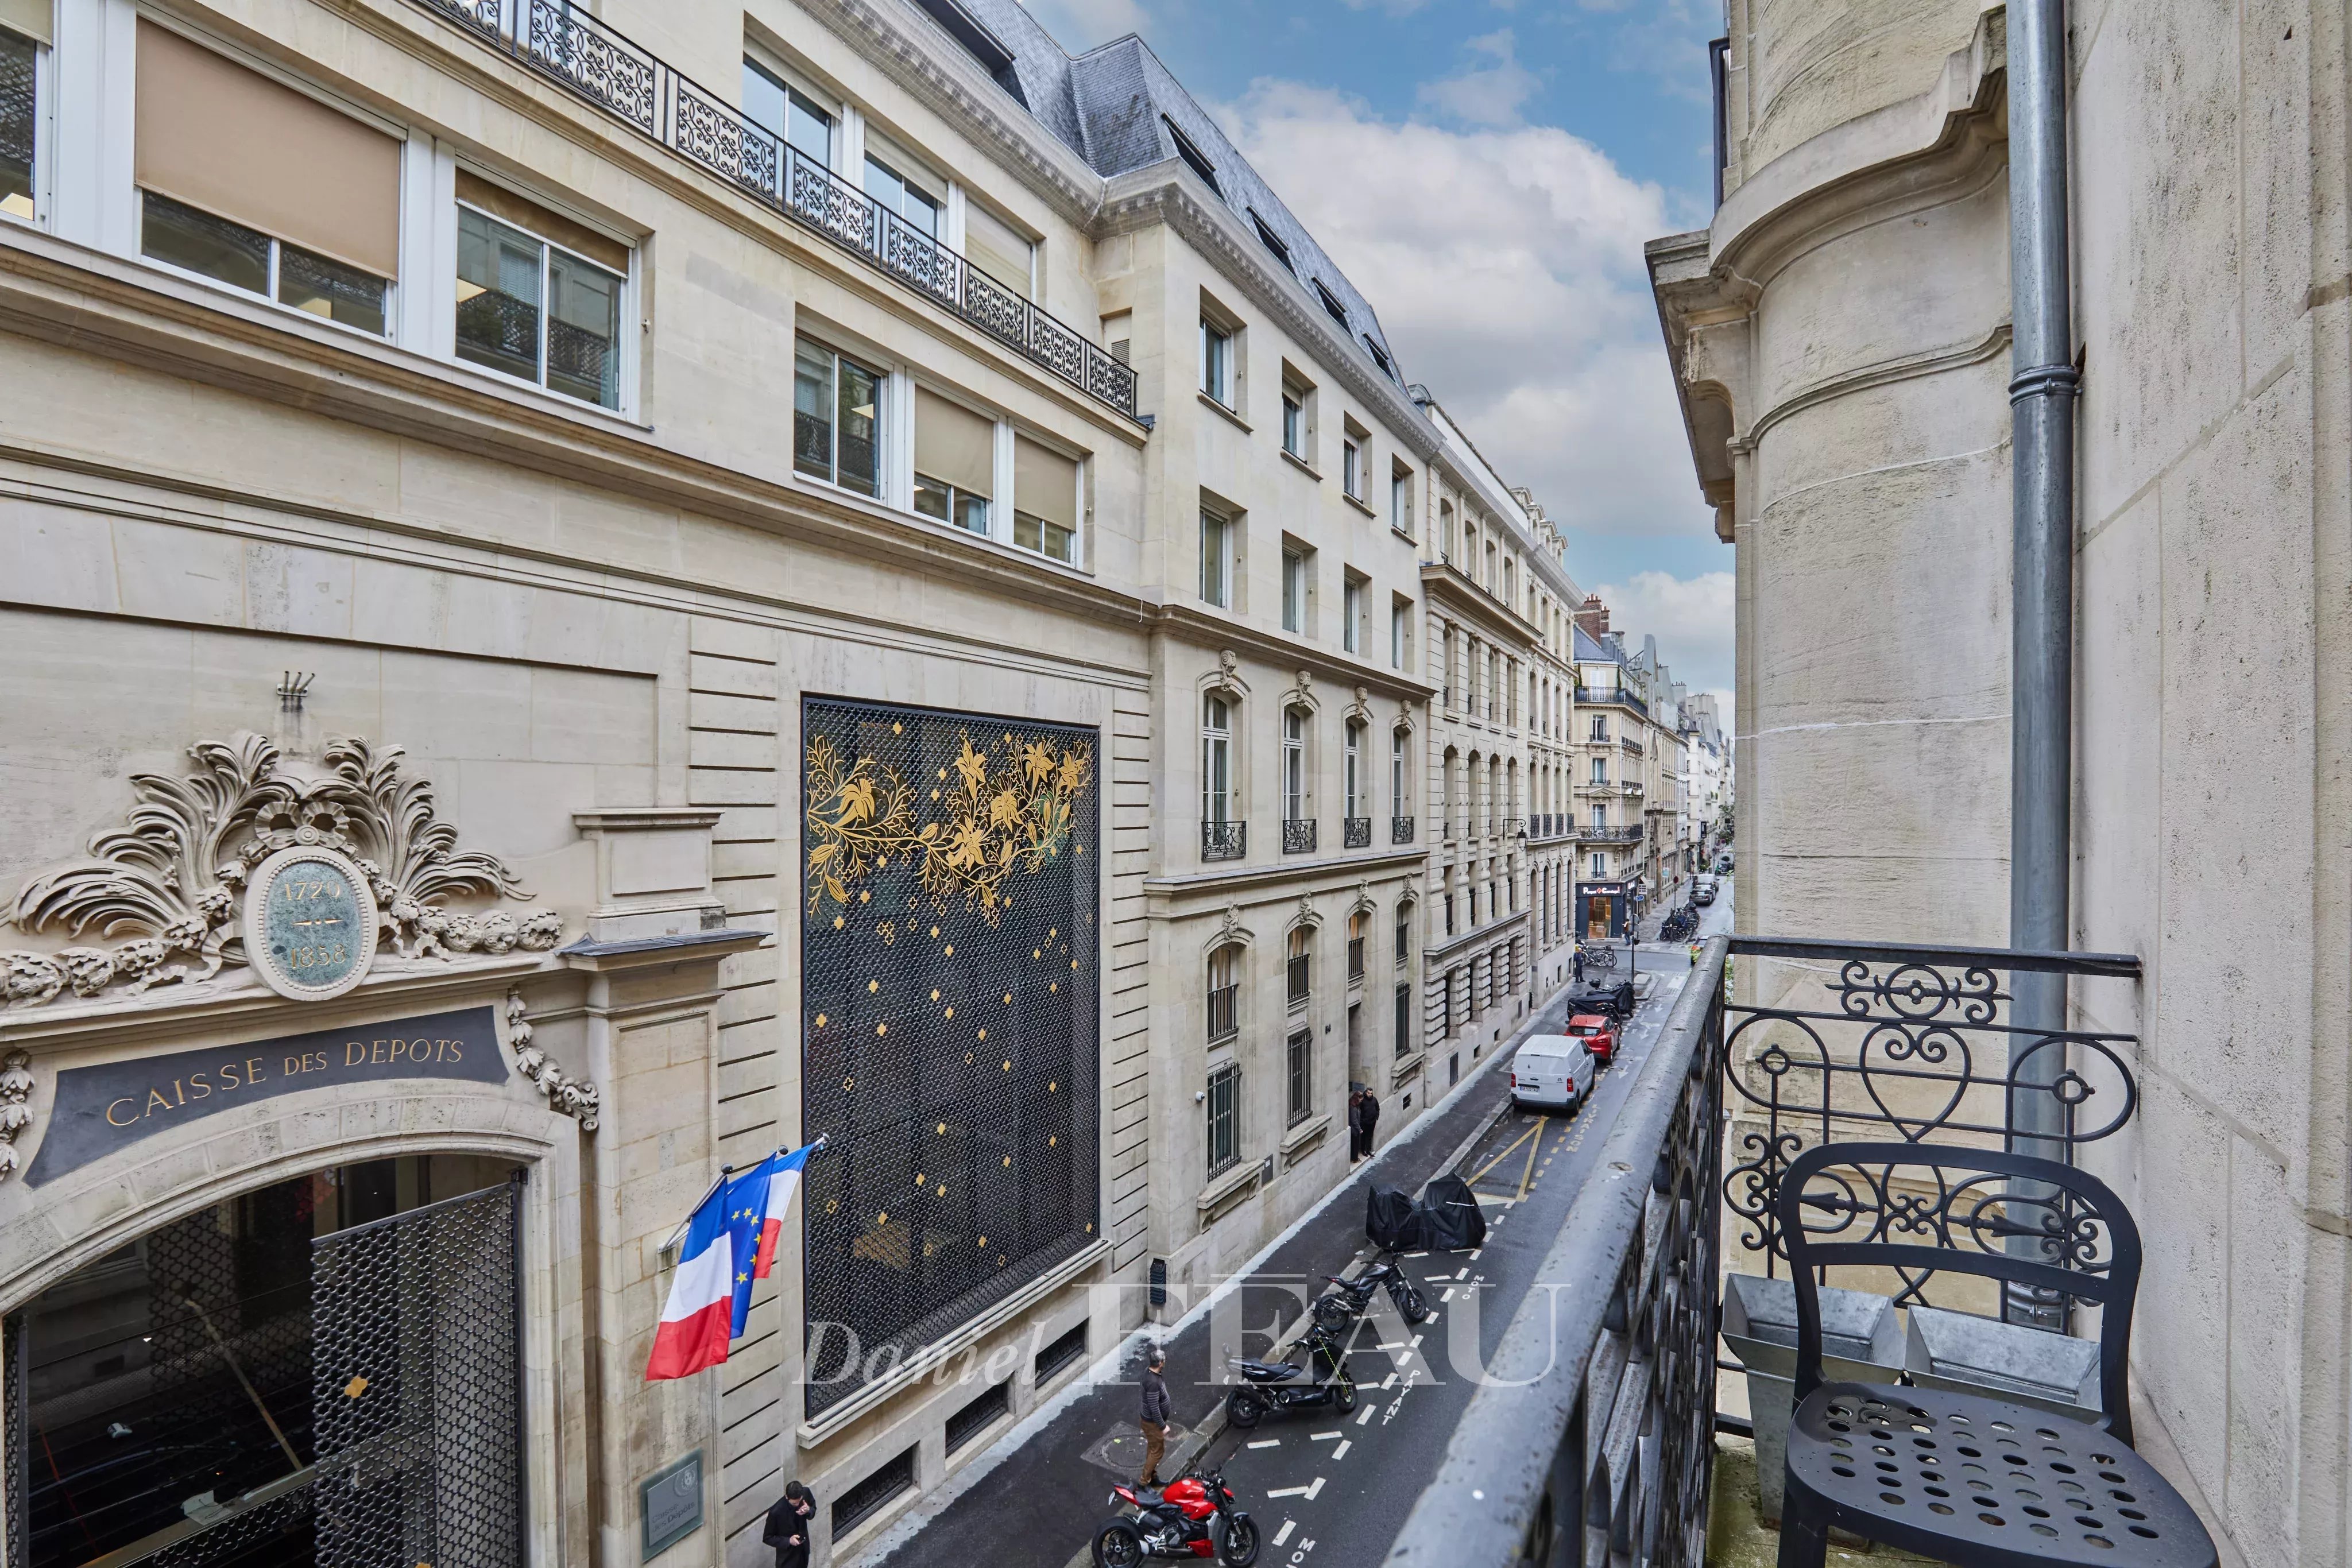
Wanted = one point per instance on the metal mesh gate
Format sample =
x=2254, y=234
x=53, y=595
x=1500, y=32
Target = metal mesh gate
x=416, y=1324
x=949, y=971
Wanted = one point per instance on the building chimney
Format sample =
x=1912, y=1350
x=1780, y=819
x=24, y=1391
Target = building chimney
x=1593, y=617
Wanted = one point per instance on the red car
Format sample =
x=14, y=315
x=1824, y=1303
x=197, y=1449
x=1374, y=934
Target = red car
x=1599, y=1035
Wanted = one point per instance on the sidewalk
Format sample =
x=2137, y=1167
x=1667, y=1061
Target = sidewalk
x=1037, y=1505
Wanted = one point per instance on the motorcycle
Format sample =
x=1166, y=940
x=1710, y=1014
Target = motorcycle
x=1271, y=1387
x=1194, y=1516
x=1336, y=1309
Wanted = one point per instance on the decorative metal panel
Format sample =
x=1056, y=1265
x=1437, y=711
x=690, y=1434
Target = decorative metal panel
x=950, y=955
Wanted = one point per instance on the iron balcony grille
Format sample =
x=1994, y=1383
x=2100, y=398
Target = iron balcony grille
x=1295, y=980
x=1356, y=833
x=606, y=69
x=1223, y=841
x=1513, y=827
x=1224, y=1012
x=1298, y=836
x=1631, y=744
x=1355, y=957
x=950, y=965
x=1401, y=829
x=1587, y=696
x=1609, y=835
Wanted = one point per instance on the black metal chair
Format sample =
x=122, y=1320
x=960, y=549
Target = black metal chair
x=1966, y=1479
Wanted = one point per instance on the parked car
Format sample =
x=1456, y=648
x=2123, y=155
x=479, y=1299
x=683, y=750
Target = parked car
x=1614, y=1000
x=1705, y=890
x=1599, y=1033
x=1551, y=1073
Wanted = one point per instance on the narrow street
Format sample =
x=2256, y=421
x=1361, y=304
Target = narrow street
x=1335, y=1490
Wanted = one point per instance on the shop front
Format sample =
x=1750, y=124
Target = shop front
x=1603, y=910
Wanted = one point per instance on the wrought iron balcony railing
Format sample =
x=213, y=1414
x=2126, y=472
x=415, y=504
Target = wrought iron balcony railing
x=604, y=68
x=1631, y=744
x=1298, y=835
x=1355, y=833
x=1223, y=841
x=1595, y=1420
x=1593, y=834
x=1401, y=829
x=1588, y=697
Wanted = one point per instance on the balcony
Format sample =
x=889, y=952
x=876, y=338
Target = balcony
x=1631, y=744
x=1594, y=833
x=1598, y=1422
x=1224, y=1012
x=1401, y=829
x=604, y=68
x=1590, y=696
x=1223, y=841
x=1298, y=835
x=1546, y=825
x=1356, y=833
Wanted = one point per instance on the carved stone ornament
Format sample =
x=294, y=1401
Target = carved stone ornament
x=1229, y=662
x=175, y=875
x=566, y=1095
x=16, y=1115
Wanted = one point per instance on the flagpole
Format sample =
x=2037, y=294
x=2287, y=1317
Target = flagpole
x=724, y=1172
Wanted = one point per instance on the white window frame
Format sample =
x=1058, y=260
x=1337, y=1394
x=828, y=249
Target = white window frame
x=1222, y=559
x=1351, y=785
x=391, y=286
x=1217, y=362
x=1294, y=424
x=1399, y=775
x=1216, y=758
x=45, y=133
x=1351, y=614
x=1295, y=792
x=1294, y=591
x=442, y=293
x=1351, y=467
x=894, y=408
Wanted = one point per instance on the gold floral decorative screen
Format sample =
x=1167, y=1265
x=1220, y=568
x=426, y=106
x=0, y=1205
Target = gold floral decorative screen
x=950, y=1022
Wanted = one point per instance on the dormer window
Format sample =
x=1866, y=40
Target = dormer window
x=1331, y=303
x=1273, y=242
x=1194, y=159
x=1379, y=358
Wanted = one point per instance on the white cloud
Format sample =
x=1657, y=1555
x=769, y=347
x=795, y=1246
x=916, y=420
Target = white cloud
x=1484, y=94
x=1690, y=616
x=1079, y=25
x=1506, y=264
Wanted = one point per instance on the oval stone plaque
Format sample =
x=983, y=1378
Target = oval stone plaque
x=309, y=924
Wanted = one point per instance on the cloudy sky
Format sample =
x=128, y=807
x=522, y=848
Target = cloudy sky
x=1487, y=171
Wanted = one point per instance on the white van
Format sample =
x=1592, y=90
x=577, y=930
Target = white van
x=1551, y=1073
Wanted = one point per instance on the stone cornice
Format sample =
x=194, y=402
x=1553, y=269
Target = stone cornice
x=1161, y=195
x=1443, y=581
x=885, y=33
x=1197, y=626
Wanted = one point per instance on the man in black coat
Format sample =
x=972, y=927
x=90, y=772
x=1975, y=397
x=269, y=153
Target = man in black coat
x=787, y=1529
x=1355, y=1126
x=1155, y=1414
x=1368, y=1116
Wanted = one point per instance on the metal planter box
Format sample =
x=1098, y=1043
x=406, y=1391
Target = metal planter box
x=1862, y=1342
x=1963, y=1352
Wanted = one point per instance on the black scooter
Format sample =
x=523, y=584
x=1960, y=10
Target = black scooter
x=1269, y=1388
x=1337, y=1309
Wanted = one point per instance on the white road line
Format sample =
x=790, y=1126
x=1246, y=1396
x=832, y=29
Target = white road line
x=1316, y=1490
x=1464, y=1272
x=1388, y=1381
x=1416, y=1342
x=1474, y=1253
x=1392, y=1344
x=1267, y=1443
x=1283, y=1533
x=1370, y=1411
x=1288, y=1491
x=1321, y=1436
x=1447, y=1297
x=1341, y=1452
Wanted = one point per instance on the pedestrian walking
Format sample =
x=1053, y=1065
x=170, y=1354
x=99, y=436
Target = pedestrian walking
x=787, y=1529
x=1155, y=1414
x=1355, y=1125
x=1580, y=964
x=1370, y=1118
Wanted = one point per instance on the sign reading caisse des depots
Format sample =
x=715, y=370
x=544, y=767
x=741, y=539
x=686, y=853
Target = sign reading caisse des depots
x=109, y=1106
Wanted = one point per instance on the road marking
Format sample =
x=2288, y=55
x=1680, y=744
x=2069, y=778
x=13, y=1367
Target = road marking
x=1392, y=1344
x=1513, y=1144
x=1464, y=1272
x=1447, y=1297
x=1528, y=1174
x=1387, y=1382
x=1370, y=1411
x=1341, y=1452
x=1320, y=1436
x=1309, y=1492
x=1416, y=1342
x=1267, y=1443
x=1283, y=1533
x=1474, y=1253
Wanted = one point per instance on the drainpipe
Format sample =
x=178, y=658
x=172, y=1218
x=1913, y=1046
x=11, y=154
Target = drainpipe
x=2042, y=399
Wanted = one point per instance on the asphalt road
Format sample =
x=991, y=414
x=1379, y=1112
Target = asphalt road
x=1332, y=1489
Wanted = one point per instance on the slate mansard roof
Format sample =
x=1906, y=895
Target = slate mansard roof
x=1113, y=107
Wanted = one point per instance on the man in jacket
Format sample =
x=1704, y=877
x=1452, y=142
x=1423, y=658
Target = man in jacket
x=1355, y=1125
x=787, y=1530
x=1155, y=1414
x=1368, y=1116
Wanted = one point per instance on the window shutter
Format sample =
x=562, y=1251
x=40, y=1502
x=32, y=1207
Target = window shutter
x=30, y=17
x=990, y=244
x=954, y=445
x=1045, y=483
x=230, y=142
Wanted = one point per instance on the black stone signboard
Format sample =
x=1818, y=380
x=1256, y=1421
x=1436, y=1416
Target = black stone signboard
x=102, y=1109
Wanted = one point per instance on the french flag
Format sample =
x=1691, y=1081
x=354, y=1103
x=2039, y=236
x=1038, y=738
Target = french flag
x=783, y=1180
x=699, y=1317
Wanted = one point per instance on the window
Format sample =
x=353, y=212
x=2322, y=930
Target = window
x=1399, y=618
x=1224, y=1110
x=790, y=115
x=1045, y=501
x=1380, y=358
x=1301, y=1053
x=20, y=113
x=1216, y=561
x=1445, y=530
x=999, y=250
x=1351, y=616
x=1297, y=976
x=1600, y=728
x=1400, y=499
x=976, y=1414
x=1601, y=771
x=1600, y=818
x=1403, y=935
x=869, y=1497
x=1225, y=993
x=1194, y=158
x=1403, y=1023
x=1294, y=764
x=571, y=344
x=955, y=462
x=1331, y=305
x=1294, y=591
x=836, y=419
x=1273, y=242
x=1294, y=424
x=248, y=183
x=903, y=195
x=1216, y=761
x=1353, y=788
x=1217, y=362
x=1449, y=913
x=1600, y=861
x=1399, y=802
x=1351, y=467
x=1474, y=908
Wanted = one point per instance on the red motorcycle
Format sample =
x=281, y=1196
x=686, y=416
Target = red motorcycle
x=1194, y=1516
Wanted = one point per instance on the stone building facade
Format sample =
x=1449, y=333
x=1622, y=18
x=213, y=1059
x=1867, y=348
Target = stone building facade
x=1840, y=336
